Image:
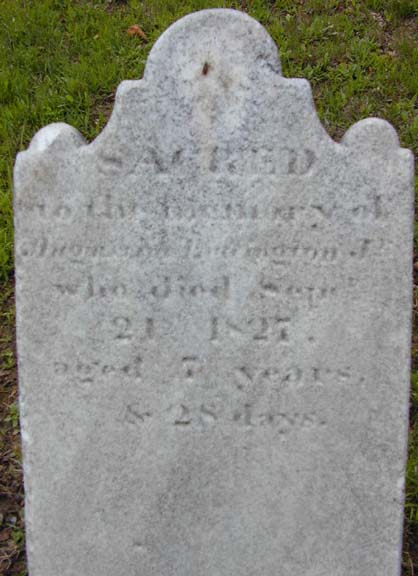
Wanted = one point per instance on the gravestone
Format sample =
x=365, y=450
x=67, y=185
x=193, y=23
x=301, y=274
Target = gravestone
x=213, y=313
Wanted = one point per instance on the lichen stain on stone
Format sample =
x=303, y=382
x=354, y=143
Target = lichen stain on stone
x=206, y=68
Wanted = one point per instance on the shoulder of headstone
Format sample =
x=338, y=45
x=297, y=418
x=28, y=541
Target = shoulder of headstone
x=56, y=139
x=373, y=136
x=58, y=136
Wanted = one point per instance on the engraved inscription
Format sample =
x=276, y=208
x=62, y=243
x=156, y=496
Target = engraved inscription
x=110, y=207
x=207, y=416
x=276, y=253
x=134, y=415
x=259, y=328
x=123, y=328
x=282, y=378
x=293, y=377
x=86, y=372
x=269, y=286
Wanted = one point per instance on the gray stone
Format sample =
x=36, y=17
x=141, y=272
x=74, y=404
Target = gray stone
x=214, y=313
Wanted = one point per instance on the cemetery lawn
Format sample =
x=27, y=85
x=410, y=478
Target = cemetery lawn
x=61, y=61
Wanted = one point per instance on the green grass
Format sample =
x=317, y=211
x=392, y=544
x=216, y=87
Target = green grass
x=61, y=60
x=411, y=508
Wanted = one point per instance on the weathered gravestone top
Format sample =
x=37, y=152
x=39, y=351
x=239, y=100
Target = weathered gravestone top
x=213, y=326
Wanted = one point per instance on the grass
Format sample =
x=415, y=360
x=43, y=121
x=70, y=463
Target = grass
x=411, y=508
x=12, y=559
x=61, y=60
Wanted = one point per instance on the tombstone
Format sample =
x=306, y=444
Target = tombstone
x=214, y=315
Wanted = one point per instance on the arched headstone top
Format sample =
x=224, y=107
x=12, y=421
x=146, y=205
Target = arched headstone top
x=221, y=42
x=213, y=96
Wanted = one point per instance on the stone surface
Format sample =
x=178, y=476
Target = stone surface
x=213, y=313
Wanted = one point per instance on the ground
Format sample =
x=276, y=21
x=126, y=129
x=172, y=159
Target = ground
x=61, y=60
